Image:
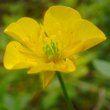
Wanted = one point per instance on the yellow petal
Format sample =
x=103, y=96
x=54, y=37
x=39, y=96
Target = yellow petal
x=46, y=77
x=24, y=29
x=27, y=31
x=17, y=57
x=85, y=35
x=65, y=66
x=57, y=23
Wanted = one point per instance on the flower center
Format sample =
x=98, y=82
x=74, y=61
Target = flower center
x=51, y=50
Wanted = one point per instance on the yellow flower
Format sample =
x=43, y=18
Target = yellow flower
x=48, y=47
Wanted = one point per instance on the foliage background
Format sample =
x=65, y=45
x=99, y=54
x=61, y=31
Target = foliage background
x=88, y=87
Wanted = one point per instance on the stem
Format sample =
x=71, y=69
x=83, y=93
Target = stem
x=100, y=103
x=70, y=106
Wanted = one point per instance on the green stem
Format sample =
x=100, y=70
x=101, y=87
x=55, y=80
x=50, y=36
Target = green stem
x=70, y=106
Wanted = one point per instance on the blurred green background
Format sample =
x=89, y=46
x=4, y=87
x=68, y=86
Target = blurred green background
x=88, y=87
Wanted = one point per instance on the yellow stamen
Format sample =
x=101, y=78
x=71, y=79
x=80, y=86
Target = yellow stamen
x=51, y=50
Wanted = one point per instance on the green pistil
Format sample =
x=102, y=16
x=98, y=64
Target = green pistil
x=51, y=50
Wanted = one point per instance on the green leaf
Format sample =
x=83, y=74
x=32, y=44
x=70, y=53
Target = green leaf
x=102, y=66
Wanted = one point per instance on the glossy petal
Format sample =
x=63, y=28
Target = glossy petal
x=28, y=32
x=57, y=23
x=74, y=34
x=62, y=66
x=85, y=35
x=46, y=77
x=17, y=57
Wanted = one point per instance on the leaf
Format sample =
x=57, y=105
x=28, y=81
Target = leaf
x=102, y=66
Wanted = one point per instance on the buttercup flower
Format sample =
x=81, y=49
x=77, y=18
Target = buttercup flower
x=46, y=48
